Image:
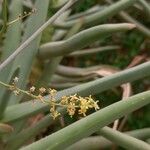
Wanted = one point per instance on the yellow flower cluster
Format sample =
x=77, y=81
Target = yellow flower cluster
x=81, y=105
x=21, y=16
x=73, y=103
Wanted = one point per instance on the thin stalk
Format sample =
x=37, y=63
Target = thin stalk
x=100, y=16
x=130, y=19
x=146, y=6
x=93, y=51
x=52, y=65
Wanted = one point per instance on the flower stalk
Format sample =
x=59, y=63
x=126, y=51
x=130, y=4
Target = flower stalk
x=73, y=103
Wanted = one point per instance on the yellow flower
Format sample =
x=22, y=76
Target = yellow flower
x=64, y=100
x=82, y=110
x=95, y=105
x=54, y=112
x=92, y=103
x=73, y=98
x=71, y=109
x=84, y=103
x=52, y=92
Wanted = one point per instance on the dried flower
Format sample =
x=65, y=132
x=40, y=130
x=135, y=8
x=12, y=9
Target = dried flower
x=42, y=90
x=32, y=89
x=52, y=92
x=15, y=80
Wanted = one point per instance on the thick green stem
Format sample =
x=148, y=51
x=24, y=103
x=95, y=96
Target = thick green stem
x=80, y=72
x=99, y=142
x=88, y=125
x=10, y=43
x=22, y=110
x=52, y=65
x=100, y=16
x=93, y=51
x=26, y=58
x=123, y=140
x=143, y=29
x=146, y=7
x=35, y=34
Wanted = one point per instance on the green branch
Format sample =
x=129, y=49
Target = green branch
x=81, y=40
x=90, y=124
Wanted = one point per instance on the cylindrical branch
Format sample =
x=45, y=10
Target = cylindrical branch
x=58, y=4
x=10, y=43
x=123, y=140
x=59, y=34
x=99, y=16
x=72, y=71
x=82, y=72
x=146, y=6
x=90, y=11
x=81, y=40
x=143, y=29
x=63, y=79
x=35, y=34
x=61, y=86
x=20, y=111
x=93, y=51
x=93, y=123
x=99, y=142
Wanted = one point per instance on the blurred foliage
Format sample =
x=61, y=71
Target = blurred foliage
x=84, y=5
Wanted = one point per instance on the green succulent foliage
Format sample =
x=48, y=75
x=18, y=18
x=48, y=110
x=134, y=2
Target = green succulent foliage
x=88, y=49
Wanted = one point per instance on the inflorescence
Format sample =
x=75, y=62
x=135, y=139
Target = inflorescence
x=22, y=16
x=73, y=103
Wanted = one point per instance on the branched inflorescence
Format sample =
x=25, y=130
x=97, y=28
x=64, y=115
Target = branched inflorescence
x=73, y=103
x=22, y=16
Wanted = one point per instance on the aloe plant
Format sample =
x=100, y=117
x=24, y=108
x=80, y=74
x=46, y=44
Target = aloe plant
x=31, y=69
